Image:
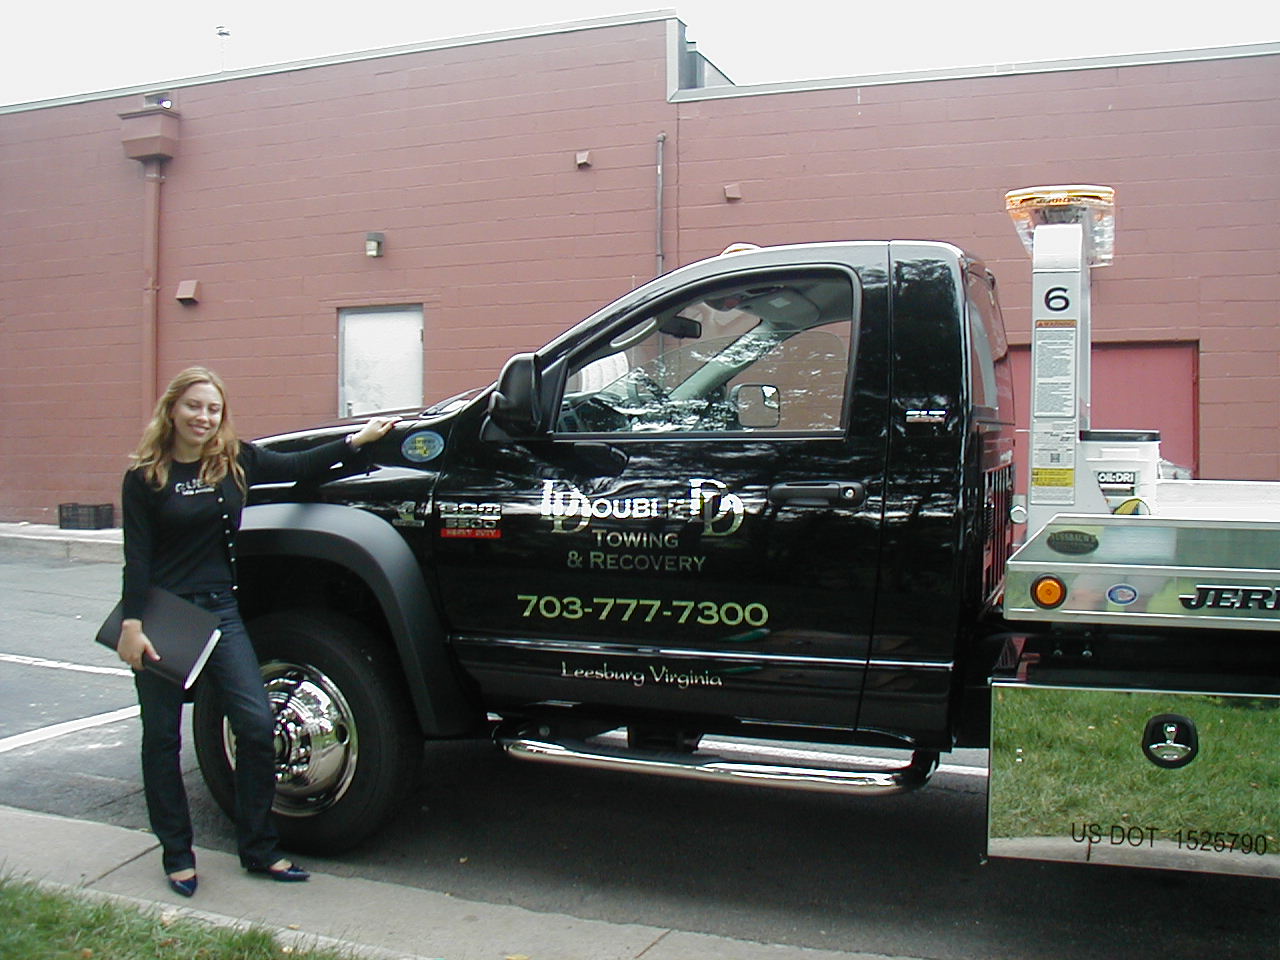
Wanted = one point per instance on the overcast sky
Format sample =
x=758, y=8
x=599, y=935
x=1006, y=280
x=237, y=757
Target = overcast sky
x=59, y=48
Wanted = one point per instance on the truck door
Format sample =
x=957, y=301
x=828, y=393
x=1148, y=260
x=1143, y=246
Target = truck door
x=698, y=530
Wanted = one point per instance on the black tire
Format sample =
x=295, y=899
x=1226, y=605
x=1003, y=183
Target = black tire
x=347, y=745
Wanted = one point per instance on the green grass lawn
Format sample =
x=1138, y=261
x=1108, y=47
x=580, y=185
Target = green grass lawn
x=42, y=924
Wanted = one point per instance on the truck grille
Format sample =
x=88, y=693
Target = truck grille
x=997, y=536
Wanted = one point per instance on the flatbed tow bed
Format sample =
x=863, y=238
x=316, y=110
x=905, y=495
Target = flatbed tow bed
x=1189, y=754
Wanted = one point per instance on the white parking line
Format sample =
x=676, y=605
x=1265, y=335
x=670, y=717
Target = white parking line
x=57, y=730
x=63, y=665
x=820, y=756
x=71, y=726
x=61, y=729
x=838, y=760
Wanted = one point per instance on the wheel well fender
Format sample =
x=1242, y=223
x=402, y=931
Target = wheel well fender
x=372, y=550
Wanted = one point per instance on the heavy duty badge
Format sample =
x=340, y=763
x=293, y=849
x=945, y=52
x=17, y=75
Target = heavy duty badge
x=471, y=521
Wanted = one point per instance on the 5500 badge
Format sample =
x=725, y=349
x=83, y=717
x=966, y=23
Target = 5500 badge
x=707, y=613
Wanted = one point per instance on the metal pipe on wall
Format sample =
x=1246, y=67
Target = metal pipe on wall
x=153, y=177
x=659, y=247
x=150, y=136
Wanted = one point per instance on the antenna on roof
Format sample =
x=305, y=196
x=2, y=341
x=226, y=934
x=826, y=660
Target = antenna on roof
x=225, y=35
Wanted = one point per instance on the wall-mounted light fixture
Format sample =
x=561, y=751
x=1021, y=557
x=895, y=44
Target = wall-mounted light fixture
x=373, y=244
x=582, y=159
x=188, y=292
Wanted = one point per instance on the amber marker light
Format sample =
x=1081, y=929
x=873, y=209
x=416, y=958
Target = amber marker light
x=1048, y=592
x=1092, y=207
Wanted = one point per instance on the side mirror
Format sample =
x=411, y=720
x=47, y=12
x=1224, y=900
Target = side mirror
x=757, y=405
x=515, y=404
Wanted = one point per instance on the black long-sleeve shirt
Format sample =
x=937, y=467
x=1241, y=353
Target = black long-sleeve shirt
x=182, y=537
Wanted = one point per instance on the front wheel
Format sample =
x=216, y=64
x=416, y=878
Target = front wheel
x=347, y=745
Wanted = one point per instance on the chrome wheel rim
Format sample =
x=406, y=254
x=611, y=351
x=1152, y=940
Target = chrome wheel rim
x=317, y=746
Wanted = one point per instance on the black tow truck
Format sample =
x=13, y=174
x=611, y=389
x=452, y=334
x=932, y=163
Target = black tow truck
x=767, y=497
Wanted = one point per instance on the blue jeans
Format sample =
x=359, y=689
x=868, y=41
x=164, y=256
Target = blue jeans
x=233, y=671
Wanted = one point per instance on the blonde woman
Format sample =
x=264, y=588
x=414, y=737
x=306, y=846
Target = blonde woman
x=182, y=500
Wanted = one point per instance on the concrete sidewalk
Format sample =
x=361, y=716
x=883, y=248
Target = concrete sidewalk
x=26, y=540
x=371, y=919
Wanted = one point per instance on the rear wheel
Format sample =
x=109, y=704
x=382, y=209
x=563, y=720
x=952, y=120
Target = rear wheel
x=347, y=745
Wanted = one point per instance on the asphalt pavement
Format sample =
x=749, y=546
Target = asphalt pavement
x=492, y=859
x=367, y=917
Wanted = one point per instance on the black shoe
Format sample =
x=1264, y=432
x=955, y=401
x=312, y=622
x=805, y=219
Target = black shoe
x=184, y=888
x=290, y=874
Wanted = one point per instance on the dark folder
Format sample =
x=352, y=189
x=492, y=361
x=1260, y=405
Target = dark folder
x=183, y=634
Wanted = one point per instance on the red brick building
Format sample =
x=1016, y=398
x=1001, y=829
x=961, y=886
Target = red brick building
x=515, y=184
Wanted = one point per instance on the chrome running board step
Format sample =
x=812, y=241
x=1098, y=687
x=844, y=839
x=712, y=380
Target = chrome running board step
x=699, y=765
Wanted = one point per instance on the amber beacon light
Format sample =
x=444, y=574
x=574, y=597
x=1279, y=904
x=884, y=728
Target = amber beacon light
x=1092, y=207
x=1049, y=592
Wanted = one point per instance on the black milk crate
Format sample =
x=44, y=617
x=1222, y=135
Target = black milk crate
x=85, y=516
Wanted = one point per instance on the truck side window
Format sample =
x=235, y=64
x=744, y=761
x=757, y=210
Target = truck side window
x=989, y=383
x=767, y=353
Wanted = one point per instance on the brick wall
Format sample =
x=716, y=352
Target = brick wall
x=70, y=294
x=1192, y=149
x=464, y=157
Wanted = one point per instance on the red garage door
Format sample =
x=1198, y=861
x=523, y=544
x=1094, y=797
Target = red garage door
x=1136, y=386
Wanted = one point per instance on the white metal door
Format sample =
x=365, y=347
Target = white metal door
x=380, y=356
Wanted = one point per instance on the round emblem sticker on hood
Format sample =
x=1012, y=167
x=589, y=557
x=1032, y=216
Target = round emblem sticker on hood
x=422, y=446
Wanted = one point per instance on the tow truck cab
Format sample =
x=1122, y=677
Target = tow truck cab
x=770, y=496
x=766, y=494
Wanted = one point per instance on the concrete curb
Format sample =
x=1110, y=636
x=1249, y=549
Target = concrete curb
x=369, y=918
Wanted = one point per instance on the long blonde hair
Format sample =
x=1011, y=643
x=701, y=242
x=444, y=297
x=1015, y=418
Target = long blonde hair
x=221, y=452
